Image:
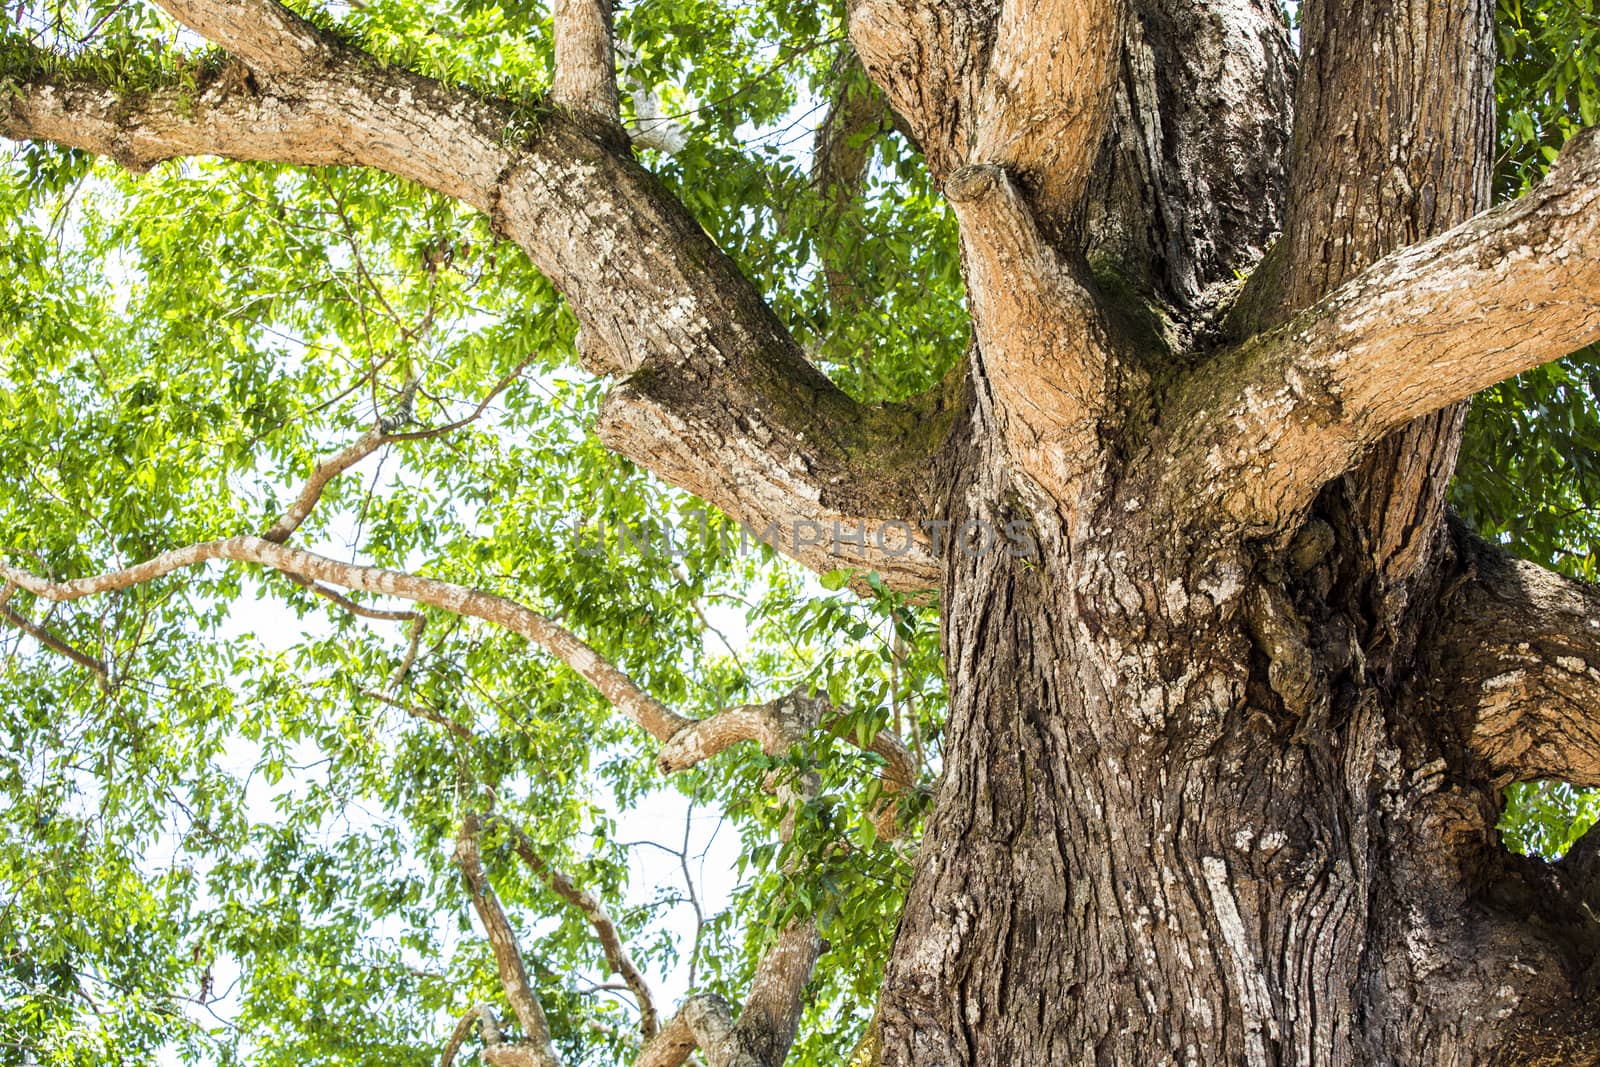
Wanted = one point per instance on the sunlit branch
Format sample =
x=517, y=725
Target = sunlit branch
x=503, y=943
x=263, y=33
x=616, y=953
x=624, y=694
x=1434, y=323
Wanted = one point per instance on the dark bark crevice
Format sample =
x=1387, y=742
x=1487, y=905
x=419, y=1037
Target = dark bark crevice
x=1189, y=190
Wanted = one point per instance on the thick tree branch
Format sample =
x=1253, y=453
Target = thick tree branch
x=766, y=1026
x=705, y=1022
x=1045, y=350
x=616, y=953
x=771, y=1014
x=1267, y=426
x=507, y=955
x=1024, y=84
x=1046, y=100
x=586, y=65
x=1188, y=191
x=1514, y=659
x=716, y=397
x=263, y=33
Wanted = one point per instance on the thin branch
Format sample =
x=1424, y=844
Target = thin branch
x=458, y=1036
x=419, y=626
x=338, y=599
x=624, y=694
x=326, y=470
x=1265, y=427
x=605, y=929
x=55, y=644
x=778, y=724
x=503, y=942
x=417, y=711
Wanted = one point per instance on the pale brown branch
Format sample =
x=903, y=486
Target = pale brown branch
x=1514, y=660
x=341, y=113
x=767, y=1025
x=503, y=943
x=458, y=1036
x=384, y=432
x=1042, y=342
x=779, y=724
x=616, y=953
x=1046, y=98
x=1265, y=427
x=704, y=1022
x=717, y=397
x=1025, y=84
x=771, y=1014
x=586, y=67
x=326, y=470
x=639, y=707
x=263, y=33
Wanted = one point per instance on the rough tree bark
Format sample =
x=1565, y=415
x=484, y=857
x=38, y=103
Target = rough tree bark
x=1224, y=746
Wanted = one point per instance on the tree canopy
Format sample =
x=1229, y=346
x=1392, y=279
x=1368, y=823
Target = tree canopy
x=232, y=797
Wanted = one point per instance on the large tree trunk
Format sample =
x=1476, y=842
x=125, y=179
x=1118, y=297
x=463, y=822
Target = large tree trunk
x=1197, y=807
x=1224, y=745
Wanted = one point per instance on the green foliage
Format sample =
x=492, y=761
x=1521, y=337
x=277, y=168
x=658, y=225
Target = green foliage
x=1529, y=476
x=234, y=852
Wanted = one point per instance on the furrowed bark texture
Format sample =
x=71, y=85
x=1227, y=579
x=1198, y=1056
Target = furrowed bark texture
x=1190, y=186
x=1226, y=728
x=1394, y=143
x=1199, y=805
